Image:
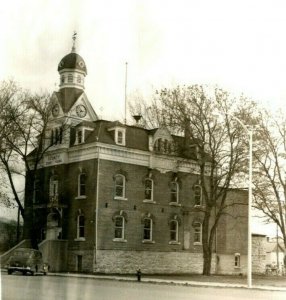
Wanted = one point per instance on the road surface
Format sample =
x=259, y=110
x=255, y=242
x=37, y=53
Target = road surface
x=20, y=287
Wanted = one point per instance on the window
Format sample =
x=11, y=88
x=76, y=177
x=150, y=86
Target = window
x=63, y=79
x=148, y=189
x=80, y=227
x=120, y=137
x=70, y=78
x=119, y=228
x=119, y=187
x=81, y=184
x=54, y=184
x=198, y=195
x=79, y=136
x=78, y=79
x=147, y=230
x=237, y=260
x=173, y=231
x=174, y=192
x=36, y=198
x=197, y=233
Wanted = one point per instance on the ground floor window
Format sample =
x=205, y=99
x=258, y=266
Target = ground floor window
x=237, y=260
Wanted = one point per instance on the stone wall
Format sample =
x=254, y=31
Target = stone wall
x=127, y=262
x=258, y=254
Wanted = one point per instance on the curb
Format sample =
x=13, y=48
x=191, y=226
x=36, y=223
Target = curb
x=173, y=282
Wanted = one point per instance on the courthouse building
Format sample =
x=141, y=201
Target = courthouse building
x=111, y=197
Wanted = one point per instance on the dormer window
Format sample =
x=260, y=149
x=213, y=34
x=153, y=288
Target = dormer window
x=119, y=134
x=120, y=137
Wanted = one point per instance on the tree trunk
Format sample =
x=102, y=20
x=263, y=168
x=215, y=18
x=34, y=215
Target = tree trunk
x=207, y=261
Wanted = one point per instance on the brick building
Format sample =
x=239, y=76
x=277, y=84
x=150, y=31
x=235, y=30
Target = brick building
x=110, y=197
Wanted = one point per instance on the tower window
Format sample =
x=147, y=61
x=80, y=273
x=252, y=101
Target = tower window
x=63, y=79
x=70, y=78
x=78, y=79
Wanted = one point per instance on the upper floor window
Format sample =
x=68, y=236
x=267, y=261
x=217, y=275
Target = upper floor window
x=79, y=136
x=120, y=136
x=36, y=192
x=78, y=79
x=174, y=192
x=81, y=184
x=119, y=228
x=147, y=230
x=119, y=186
x=173, y=231
x=148, y=189
x=80, y=227
x=54, y=184
x=198, y=195
x=56, y=136
x=63, y=79
x=197, y=233
x=70, y=78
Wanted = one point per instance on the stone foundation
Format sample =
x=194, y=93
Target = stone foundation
x=127, y=262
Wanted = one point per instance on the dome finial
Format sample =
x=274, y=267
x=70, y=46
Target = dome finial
x=74, y=38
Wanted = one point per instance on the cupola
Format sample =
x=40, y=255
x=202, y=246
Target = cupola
x=72, y=69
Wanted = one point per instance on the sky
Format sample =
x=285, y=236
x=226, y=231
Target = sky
x=238, y=45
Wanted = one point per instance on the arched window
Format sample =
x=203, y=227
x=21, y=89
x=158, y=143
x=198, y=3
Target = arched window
x=173, y=231
x=119, y=222
x=198, y=195
x=63, y=79
x=148, y=189
x=174, y=192
x=82, y=184
x=197, y=232
x=80, y=226
x=119, y=186
x=78, y=79
x=147, y=229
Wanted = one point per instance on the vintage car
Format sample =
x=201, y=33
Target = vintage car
x=26, y=260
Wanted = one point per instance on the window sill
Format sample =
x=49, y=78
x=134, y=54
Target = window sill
x=117, y=240
x=149, y=201
x=120, y=198
x=82, y=239
x=197, y=243
x=148, y=242
x=237, y=268
x=175, y=204
x=80, y=197
x=174, y=243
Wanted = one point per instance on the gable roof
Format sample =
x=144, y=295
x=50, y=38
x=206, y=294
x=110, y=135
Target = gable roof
x=67, y=97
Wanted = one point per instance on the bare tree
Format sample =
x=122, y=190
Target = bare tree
x=220, y=141
x=24, y=119
x=270, y=162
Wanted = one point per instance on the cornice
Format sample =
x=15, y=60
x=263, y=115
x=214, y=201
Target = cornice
x=82, y=152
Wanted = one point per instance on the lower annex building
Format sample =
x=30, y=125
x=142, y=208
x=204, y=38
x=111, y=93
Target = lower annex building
x=110, y=197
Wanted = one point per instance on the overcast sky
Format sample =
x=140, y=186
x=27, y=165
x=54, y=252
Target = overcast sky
x=239, y=45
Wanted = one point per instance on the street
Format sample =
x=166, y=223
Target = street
x=16, y=287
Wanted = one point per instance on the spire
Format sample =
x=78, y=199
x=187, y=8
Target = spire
x=74, y=38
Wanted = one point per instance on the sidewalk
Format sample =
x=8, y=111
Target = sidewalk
x=275, y=283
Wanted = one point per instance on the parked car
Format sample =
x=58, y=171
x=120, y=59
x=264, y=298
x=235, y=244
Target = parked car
x=27, y=260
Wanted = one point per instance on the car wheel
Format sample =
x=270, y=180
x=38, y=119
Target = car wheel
x=24, y=272
x=10, y=272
